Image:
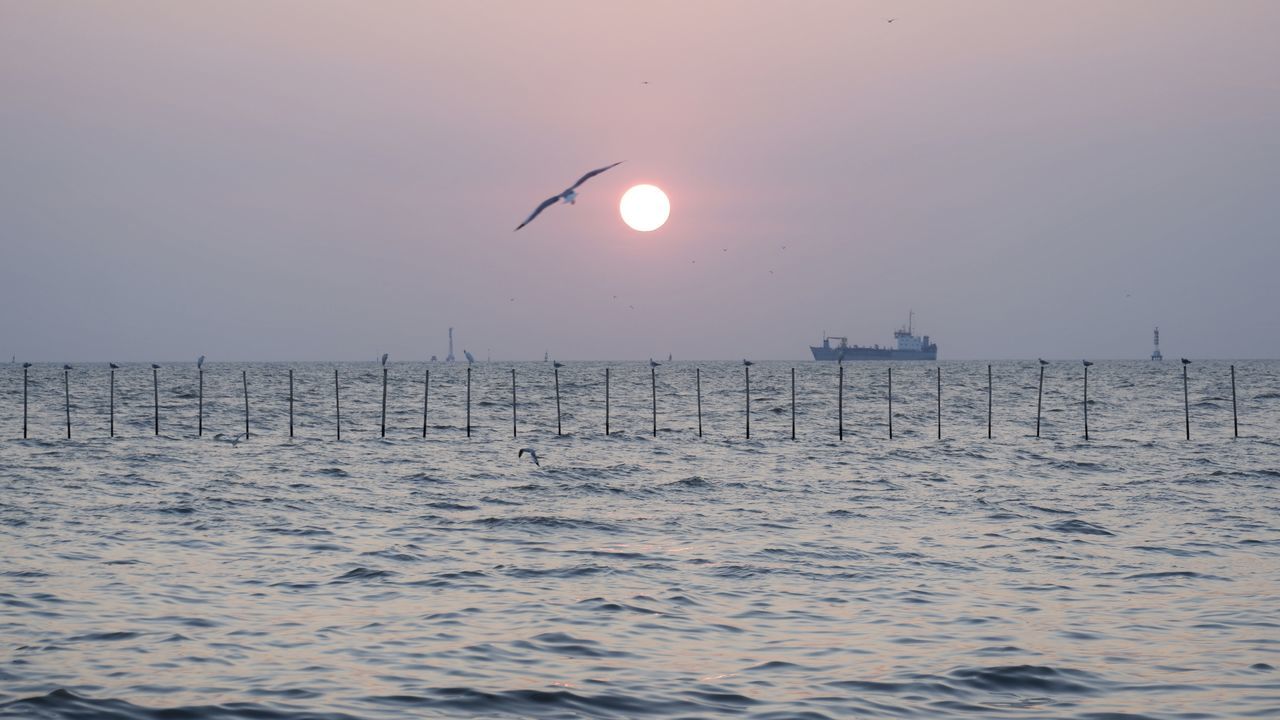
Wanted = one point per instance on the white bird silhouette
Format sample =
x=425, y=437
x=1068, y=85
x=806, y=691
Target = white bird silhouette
x=568, y=196
x=532, y=455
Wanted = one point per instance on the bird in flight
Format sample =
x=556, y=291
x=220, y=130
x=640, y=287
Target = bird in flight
x=891, y=19
x=533, y=455
x=569, y=196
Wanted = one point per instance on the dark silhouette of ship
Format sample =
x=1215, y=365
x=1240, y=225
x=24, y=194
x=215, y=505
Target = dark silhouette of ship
x=910, y=347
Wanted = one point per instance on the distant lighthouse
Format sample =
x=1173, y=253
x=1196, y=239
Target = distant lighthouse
x=1155, y=354
x=449, y=357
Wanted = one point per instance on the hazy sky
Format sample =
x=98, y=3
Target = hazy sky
x=319, y=180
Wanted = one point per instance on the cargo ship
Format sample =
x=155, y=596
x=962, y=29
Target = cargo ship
x=910, y=347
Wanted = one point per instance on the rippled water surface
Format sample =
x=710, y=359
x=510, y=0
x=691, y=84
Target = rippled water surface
x=1133, y=575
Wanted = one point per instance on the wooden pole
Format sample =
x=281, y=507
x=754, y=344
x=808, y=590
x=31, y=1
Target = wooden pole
x=1235, y=419
x=698, y=385
x=840, y=403
x=337, y=406
x=793, y=403
x=939, y=402
x=426, y=398
x=513, y=402
x=200, y=406
x=890, y=403
x=557, y=374
x=384, y=402
x=748, y=374
x=24, y=402
x=1039, y=397
x=1187, y=405
x=468, y=401
x=111, y=424
x=653, y=382
x=244, y=379
x=290, y=402
x=988, y=402
x=155, y=387
x=66, y=386
x=606, y=402
x=1086, y=402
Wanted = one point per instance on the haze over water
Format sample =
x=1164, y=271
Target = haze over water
x=1132, y=576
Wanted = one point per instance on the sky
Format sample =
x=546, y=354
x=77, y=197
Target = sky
x=333, y=180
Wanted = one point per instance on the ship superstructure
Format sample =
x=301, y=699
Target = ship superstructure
x=1155, y=354
x=908, y=346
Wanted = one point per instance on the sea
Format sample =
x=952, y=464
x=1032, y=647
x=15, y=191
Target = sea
x=671, y=568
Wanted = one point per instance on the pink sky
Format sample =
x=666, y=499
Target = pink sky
x=334, y=180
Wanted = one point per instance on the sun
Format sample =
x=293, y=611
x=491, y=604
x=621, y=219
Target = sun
x=644, y=208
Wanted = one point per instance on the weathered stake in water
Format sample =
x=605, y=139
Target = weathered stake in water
x=66, y=387
x=426, y=398
x=155, y=388
x=988, y=402
x=890, y=403
x=1086, y=398
x=653, y=389
x=606, y=402
x=793, y=403
x=290, y=402
x=840, y=402
x=244, y=380
x=1039, y=396
x=468, y=401
x=1186, y=402
x=556, y=370
x=337, y=407
x=1235, y=420
x=939, y=402
x=747, y=369
x=111, y=423
x=25, y=367
x=513, y=402
x=200, y=404
x=384, y=399
x=697, y=378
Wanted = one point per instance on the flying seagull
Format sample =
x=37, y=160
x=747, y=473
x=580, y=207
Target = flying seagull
x=233, y=439
x=532, y=454
x=568, y=196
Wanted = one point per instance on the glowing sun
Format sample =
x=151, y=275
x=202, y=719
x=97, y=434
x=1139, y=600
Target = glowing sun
x=644, y=208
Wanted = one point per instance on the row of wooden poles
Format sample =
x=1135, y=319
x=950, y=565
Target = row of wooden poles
x=426, y=399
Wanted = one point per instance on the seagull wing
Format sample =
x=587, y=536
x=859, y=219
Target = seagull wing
x=545, y=204
x=594, y=173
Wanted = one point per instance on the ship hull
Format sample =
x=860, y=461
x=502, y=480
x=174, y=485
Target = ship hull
x=851, y=354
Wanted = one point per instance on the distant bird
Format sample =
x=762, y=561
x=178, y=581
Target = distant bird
x=533, y=455
x=633, y=307
x=200, y=362
x=1087, y=363
x=114, y=366
x=232, y=439
x=155, y=366
x=68, y=367
x=26, y=365
x=654, y=364
x=1186, y=361
x=1044, y=362
x=891, y=19
x=747, y=362
x=384, y=359
x=644, y=82
x=770, y=272
x=557, y=364
x=568, y=196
